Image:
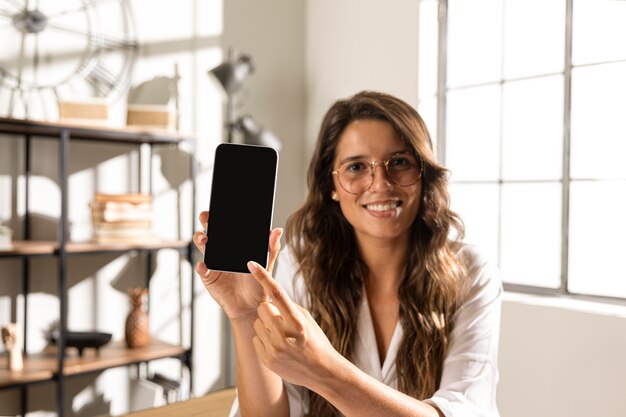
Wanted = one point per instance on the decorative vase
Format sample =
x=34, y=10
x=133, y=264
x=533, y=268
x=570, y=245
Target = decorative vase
x=137, y=330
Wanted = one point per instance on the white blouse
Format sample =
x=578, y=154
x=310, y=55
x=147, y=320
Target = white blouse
x=470, y=373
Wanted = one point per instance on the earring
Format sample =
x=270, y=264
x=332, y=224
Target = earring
x=334, y=196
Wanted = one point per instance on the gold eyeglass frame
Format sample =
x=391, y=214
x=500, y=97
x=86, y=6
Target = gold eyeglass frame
x=385, y=163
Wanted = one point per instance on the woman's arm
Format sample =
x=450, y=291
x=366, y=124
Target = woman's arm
x=354, y=393
x=260, y=391
x=290, y=343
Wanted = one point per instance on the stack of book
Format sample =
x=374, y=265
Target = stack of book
x=122, y=218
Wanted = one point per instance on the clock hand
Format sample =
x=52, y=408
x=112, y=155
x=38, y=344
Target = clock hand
x=14, y=4
x=98, y=40
x=36, y=59
x=20, y=66
x=79, y=9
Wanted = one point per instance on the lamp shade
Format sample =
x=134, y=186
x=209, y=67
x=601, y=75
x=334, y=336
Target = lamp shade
x=253, y=134
x=232, y=73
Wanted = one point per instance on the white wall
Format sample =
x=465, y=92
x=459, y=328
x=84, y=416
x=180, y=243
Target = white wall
x=273, y=33
x=355, y=45
x=561, y=358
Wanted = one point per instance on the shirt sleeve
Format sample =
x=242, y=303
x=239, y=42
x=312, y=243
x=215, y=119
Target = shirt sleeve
x=293, y=285
x=470, y=373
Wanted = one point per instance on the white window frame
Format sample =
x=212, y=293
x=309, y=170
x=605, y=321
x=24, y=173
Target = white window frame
x=441, y=99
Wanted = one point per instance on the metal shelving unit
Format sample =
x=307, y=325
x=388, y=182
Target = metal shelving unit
x=52, y=364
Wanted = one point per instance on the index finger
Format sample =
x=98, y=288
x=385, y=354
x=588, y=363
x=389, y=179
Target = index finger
x=273, y=289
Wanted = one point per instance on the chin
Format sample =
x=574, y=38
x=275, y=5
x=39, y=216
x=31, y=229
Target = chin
x=384, y=233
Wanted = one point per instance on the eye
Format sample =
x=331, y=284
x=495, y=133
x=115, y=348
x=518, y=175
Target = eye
x=401, y=162
x=356, y=167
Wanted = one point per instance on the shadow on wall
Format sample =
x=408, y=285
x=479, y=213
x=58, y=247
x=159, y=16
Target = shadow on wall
x=174, y=165
x=42, y=397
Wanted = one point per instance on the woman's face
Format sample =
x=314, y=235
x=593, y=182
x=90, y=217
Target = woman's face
x=384, y=210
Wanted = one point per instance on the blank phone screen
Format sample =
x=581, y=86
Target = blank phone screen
x=241, y=208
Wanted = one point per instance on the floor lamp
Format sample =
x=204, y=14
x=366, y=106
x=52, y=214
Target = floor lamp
x=231, y=75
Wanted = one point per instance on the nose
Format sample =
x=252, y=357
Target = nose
x=380, y=181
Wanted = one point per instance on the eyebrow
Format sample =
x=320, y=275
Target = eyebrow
x=360, y=157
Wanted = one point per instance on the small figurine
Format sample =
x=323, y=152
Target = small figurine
x=13, y=343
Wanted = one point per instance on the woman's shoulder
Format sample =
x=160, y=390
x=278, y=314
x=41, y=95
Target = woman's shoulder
x=483, y=279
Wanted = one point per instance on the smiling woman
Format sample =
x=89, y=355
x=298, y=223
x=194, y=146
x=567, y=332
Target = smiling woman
x=374, y=310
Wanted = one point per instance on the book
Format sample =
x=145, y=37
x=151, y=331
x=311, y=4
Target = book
x=133, y=198
x=122, y=218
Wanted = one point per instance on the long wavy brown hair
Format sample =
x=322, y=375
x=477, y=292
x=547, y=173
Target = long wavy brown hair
x=324, y=245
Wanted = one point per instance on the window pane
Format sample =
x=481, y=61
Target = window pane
x=532, y=135
x=428, y=34
x=537, y=50
x=530, y=251
x=598, y=144
x=474, y=42
x=599, y=31
x=428, y=110
x=596, y=238
x=473, y=132
x=477, y=204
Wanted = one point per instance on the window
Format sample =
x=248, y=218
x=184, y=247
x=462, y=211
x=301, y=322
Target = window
x=526, y=100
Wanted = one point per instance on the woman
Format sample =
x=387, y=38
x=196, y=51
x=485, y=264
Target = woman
x=377, y=308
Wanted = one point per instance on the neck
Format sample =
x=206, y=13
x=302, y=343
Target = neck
x=386, y=261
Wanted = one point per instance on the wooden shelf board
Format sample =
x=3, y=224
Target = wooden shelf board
x=42, y=366
x=128, y=134
x=36, y=247
x=32, y=247
x=117, y=354
x=112, y=247
x=35, y=370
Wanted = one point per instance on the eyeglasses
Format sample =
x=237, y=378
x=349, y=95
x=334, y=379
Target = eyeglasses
x=357, y=176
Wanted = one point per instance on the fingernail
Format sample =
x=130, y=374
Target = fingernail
x=252, y=267
x=202, y=238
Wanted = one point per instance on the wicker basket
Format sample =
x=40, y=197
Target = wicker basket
x=159, y=116
x=84, y=112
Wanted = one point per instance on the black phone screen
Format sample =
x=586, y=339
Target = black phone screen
x=241, y=208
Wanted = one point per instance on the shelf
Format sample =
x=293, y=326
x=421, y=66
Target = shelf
x=45, y=367
x=42, y=366
x=35, y=370
x=127, y=134
x=43, y=247
x=116, y=354
x=30, y=248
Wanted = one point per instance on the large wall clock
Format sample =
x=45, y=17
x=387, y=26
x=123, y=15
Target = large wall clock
x=54, y=50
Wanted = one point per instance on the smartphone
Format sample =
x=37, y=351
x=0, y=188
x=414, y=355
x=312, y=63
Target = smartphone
x=241, y=207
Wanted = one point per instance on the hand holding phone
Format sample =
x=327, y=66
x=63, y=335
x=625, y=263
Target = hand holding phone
x=241, y=207
x=236, y=293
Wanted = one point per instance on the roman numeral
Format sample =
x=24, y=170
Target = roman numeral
x=112, y=42
x=103, y=80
